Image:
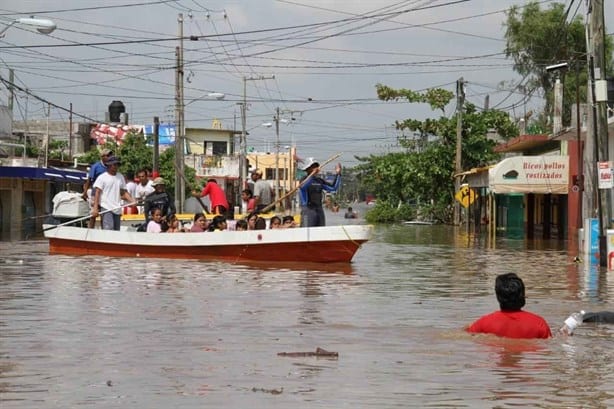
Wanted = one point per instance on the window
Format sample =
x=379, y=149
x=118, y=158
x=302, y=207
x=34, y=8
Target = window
x=216, y=148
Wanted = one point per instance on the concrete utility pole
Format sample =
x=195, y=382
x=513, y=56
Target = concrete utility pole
x=460, y=100
x=179, y=126
x=243, y=140
x=277, y=157
x=597, y=72
x=156, y=144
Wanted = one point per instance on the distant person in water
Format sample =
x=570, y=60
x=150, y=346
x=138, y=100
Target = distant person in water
x=511, y=321
x=350, y=214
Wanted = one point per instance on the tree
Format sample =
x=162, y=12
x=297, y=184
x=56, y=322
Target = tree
x=424, y=177
x=536, y=38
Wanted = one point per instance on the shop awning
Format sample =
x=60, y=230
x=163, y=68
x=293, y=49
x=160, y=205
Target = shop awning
x=62, y=175
x=530, y=174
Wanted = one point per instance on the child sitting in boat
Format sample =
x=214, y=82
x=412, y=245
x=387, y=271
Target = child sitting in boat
x=155, y=224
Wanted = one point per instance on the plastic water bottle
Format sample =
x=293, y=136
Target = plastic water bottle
x=572, y=322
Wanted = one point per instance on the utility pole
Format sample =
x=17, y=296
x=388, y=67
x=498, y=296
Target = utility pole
x=460, y=99
x=70, y=133
x=243, y=140
x=597, y=71
x=156, y=144
x=277, y=157
x=47, y=138
x=179, y=126
x=11, y=93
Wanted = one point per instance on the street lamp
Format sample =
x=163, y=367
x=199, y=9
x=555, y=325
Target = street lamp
x=42, y=25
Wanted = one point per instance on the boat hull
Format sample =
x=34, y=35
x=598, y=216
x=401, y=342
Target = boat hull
x=331, y=244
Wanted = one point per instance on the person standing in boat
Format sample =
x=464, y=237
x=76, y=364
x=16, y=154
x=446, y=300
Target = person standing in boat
x=311, y=193
x=263, y=194
x=143, y=188
x=96, y=169
x=217, y=197
x=160, y=199
x=110, y=190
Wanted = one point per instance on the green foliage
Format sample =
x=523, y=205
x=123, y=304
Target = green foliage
x=437, y=98
x=57, y=149
x=383, y=212
x=421, y=180
x=536, y=38
x=134, y=153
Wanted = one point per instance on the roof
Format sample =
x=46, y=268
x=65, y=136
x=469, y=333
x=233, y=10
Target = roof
x=523, y=143
x=62, y=175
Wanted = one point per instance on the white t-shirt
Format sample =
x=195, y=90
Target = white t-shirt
x=131, y=188
x=153, y=227
x=140, y=192
x=111, y=187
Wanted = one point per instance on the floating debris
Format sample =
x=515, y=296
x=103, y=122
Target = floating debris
x=271, y=391
x=318, y=353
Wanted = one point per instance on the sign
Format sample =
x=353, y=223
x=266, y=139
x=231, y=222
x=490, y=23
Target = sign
x=530, y=174
x=166, y=133
x=605, y=175
x=466, y=196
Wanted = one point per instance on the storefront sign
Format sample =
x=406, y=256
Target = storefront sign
x=606, y=181
x=530, y=174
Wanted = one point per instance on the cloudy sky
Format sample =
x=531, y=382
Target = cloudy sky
x=326, y=56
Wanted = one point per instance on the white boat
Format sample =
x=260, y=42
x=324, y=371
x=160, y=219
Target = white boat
x=329, y=244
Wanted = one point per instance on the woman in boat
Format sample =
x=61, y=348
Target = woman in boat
x=241, y=225
x=218, y=224
x=260, y=224
x=174, y=225
x=200, y=223
x=251, y=220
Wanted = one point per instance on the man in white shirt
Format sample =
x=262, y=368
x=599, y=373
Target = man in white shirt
x=143, y=188
x=110, y=190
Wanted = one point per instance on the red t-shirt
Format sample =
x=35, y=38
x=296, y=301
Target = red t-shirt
x=512, y=324
x=216, y=195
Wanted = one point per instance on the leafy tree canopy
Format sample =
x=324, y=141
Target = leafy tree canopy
x=423, y=175
x=536, y=38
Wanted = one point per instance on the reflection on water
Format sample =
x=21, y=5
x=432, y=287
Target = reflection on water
x=105, y=332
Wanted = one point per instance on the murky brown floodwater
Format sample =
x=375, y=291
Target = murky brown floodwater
x=120, y=333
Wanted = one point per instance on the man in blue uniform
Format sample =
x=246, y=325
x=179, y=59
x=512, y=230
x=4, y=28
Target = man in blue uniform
x=312, y=193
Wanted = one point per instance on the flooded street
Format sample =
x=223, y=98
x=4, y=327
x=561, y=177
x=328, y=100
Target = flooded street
x=133, y=333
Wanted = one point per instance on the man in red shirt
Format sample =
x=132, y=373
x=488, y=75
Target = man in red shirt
x=511, y=321
x=219, y=203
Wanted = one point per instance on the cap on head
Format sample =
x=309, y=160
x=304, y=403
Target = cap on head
x=257, y=172
x=158, y=181
x=106, y=152
x=113, y=160
x=310, y=163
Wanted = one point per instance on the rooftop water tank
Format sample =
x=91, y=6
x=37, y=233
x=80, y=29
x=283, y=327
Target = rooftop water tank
x=116, y=108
